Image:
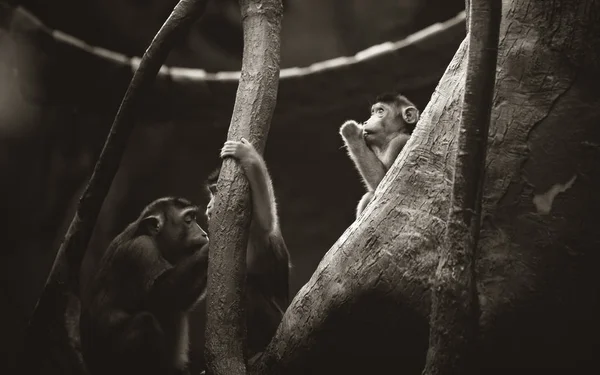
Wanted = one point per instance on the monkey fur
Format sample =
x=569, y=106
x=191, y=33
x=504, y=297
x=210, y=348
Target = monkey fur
x=267, y=257
x=374, y=145
x=134, y=314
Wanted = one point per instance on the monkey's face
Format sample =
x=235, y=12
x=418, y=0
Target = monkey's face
x=195, y=236
x=383, y=124
x=181, y=234
x=210, y=207
x=211, y=203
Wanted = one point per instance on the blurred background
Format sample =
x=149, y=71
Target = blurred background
x=65, y=65
x=313, y=30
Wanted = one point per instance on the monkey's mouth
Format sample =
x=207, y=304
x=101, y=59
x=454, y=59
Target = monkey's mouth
x=367, y=133
x=198, y=243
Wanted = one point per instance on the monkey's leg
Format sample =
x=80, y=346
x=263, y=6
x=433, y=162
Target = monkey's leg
x=364, y=201
x=137, y=345
x=143, y=328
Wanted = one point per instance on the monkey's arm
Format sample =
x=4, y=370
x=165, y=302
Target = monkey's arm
x=264, y=210
x=393, y=150
x=263, y=197
x=180, y=287
x=368, y=164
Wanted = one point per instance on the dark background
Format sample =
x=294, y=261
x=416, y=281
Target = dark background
x=313, y=30
x=57, y=102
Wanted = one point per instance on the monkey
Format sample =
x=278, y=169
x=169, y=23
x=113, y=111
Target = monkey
x=134, y=319
x=267, y=257
x=374, y=145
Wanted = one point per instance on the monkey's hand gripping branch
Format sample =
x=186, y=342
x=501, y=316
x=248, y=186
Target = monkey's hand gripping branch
x=254, y=106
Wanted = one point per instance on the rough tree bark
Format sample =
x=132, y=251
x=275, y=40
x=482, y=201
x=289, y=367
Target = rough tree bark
x=454, y=317
x=53, y=95
x=365, y=309
x=251, y=119
x=46, y=348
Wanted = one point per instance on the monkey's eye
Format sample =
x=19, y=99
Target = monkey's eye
x=377, y=111
x=190, y=217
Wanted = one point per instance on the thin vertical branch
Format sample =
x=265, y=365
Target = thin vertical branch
x=47, y=322
x=467, y=13
x=254, y=105
x=454, y=317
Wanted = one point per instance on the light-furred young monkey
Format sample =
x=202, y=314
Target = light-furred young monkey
x=374, y=145
x=134, y=317
x=267, y=257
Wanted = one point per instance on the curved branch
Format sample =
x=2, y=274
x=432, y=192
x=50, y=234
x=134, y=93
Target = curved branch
x=185, y=13
x=64, y=274
x=252, y=113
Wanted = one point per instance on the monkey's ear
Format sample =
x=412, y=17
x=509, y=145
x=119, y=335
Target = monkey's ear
x=151, y=224
x=410, y=115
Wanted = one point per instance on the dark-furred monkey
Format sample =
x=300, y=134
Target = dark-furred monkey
x=134, y=317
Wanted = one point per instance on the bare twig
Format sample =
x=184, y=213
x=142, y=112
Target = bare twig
x=254, y=106
x=467, y=13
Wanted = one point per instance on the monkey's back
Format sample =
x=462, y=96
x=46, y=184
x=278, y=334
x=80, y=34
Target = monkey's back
x=267, y=293
x=114, y=297
x=263, y=315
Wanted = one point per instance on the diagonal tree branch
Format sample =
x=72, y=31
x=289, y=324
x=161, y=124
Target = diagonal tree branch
x=63, y=280
x=454, y=318
x=254, y=106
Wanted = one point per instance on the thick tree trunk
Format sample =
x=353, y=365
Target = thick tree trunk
x=48, y=347
x=537, y=275
x=366, y=307
x=251, y=119
x=454, y=317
